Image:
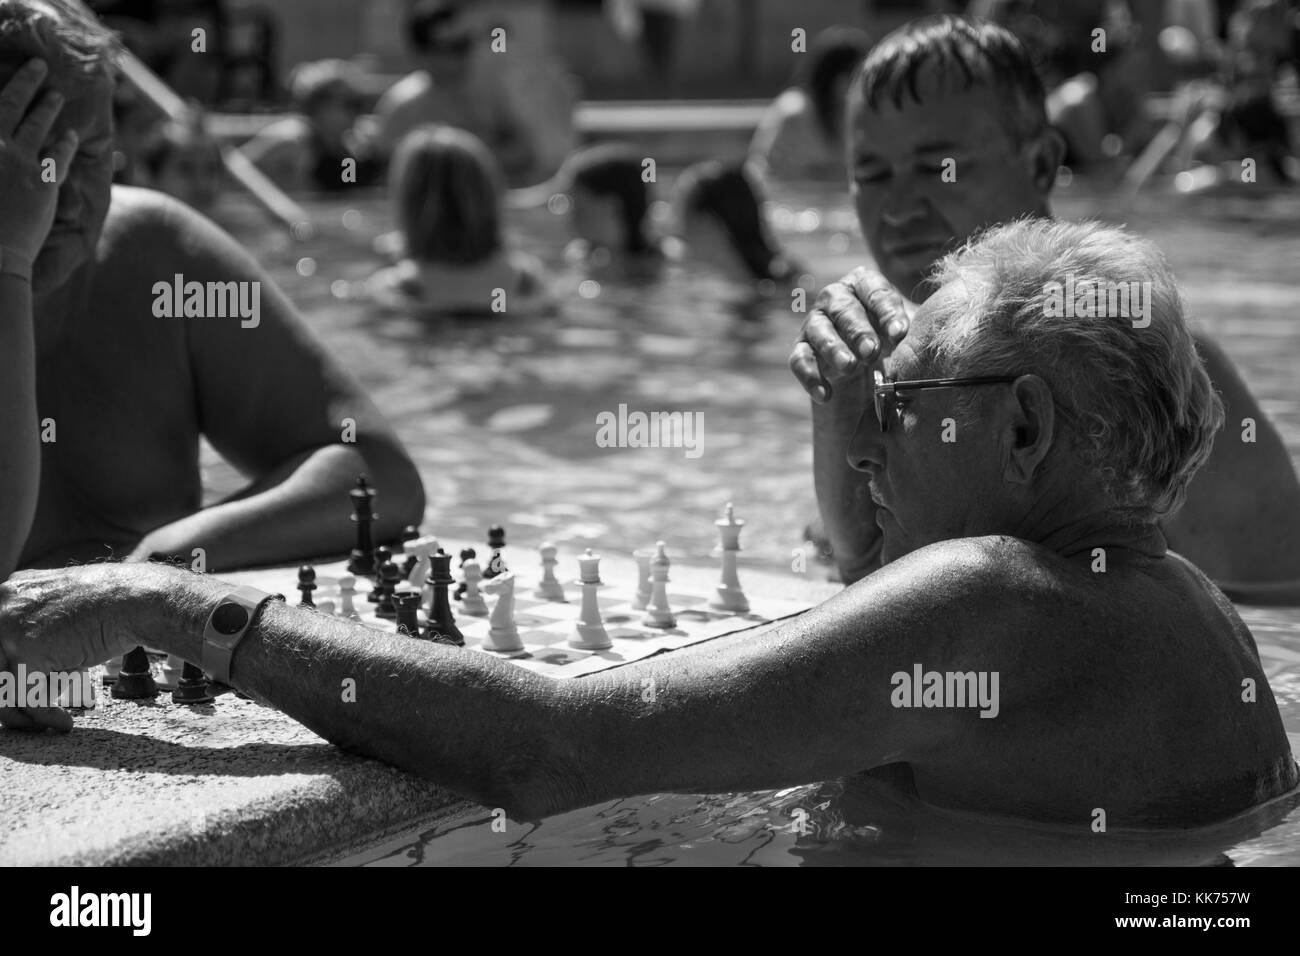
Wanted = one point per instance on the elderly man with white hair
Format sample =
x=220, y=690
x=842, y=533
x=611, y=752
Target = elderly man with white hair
x=1030, y=646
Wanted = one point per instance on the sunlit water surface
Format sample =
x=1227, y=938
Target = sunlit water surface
x=500, y=415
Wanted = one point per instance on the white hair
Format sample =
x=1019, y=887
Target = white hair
x=1134, y=401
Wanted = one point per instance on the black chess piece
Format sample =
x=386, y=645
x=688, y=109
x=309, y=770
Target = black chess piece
x=389, y=577
x=383, y=555
x=409, y=533
x=465, y=555
x=442, y=625
x=136, y=680
x=193, y=687
x=306, y=584
x=496, y=542
x=407, y=603
x=362, y=560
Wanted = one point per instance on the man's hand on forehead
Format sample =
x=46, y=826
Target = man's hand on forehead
x=856, y=323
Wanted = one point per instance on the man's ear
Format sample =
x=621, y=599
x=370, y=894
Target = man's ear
x=1045, y=153
x=1031, y=428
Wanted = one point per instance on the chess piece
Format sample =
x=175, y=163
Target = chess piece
x=407, y=601
x=306, y=584
x=382, y=556
x=642, y=599
x=192, y=688
x=728, y=596
x=465, y=555
x=421, y=548
x=659, y=614
x=442, y=625
x=549, y=588
x=589, y=632
x=389, y=577
x=135, y=681
x=496, y=543
x=169, y=672
x=362, y=558
x=325, y=607
x=347, y=595
x=503, y=634
x=409, y=533
x=472, y=603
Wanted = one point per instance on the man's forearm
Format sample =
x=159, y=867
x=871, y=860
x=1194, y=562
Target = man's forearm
x=843, y=494
x=297, y=510
x=20, y=450
x=484, y=728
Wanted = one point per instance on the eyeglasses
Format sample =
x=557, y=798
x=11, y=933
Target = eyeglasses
x=885, y=392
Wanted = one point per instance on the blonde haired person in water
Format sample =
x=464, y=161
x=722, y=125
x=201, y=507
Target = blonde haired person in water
x=447, y=193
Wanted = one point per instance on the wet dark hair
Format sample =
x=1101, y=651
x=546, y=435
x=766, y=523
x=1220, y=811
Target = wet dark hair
x=447, y=190
x=425, y=19
x=614, y=170
x=968, y=53
x=834, y=54
x=725, y=192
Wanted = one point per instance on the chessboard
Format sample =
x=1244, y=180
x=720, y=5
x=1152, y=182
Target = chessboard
x=547, y=628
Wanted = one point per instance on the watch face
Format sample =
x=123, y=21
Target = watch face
x=229, y=618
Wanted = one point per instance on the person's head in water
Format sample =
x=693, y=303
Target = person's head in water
x=184, y=161
x=948, y=134
x=609, y=199
x=326, y=93
x=1098, y=413
x=78, y=51
x=447, y=193
x=832, y=57
x=441, y=35
x=717, y=215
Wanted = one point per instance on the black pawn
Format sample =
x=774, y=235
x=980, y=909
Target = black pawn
x=408, y=612
x=409, y=533
x=496, y=541
x=136, y=680
x=362, y=559
x=192, y=687
x=383, y=555
x=409, y=565
x=306, y=584
x=442, y=626
x=389, y=577
x=465, y=555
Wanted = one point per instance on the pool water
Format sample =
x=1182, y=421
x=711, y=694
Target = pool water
x=500, y=416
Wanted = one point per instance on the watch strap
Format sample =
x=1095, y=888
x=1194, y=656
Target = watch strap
x=219, y=648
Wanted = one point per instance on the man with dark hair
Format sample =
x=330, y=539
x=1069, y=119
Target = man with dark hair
x=948, y=137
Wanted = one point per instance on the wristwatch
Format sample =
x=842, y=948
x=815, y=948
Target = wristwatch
x=12, y=264
x=229, y=622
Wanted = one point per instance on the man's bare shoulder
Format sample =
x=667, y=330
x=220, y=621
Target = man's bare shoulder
x=144, y=222
x=405, y=91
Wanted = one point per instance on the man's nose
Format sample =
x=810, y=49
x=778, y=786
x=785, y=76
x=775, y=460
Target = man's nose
x=866, y=450
x=905, y=204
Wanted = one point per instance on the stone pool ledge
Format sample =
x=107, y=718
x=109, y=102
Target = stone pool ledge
x=228, y=783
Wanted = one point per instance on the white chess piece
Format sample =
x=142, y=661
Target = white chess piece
x=589, y=632
x=728, y=596
x=642, y=599
x=423, y=548
x=347, y=594
x=549, y=588
x=325, y=607
x=471, y=601
x=503, y=635
x=659, y=614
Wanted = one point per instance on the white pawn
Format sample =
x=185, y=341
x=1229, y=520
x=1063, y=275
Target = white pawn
x=642, y=599
x=423, y=548
x=471, y=601
x=503, y=635
x=347, y=593
x=728, y=596
x=659, y=614
x=589, y=632
x=549, y=588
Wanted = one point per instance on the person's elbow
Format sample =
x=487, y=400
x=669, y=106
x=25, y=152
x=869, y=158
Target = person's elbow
x=390, y=470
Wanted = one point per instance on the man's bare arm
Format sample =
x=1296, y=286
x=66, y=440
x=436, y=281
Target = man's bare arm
x=20, y=449
x=281, y=409
x=1241, y=521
